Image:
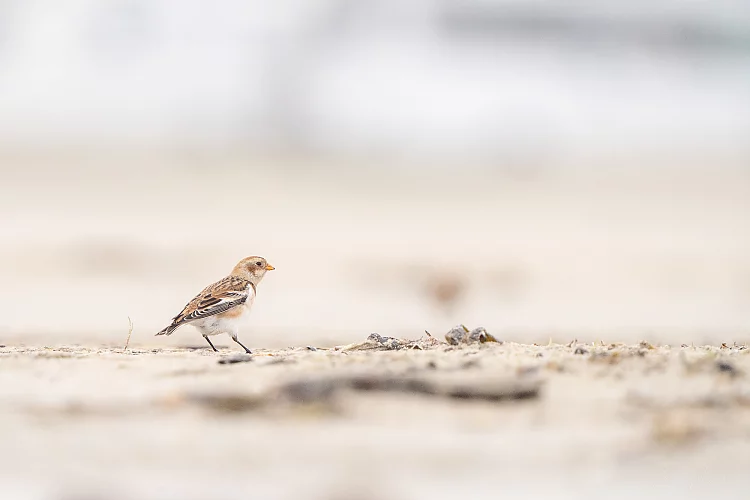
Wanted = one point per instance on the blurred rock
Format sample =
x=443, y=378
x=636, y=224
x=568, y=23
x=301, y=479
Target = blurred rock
x=461, y=335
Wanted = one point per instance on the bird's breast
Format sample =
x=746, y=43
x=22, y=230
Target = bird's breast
x=250, y=296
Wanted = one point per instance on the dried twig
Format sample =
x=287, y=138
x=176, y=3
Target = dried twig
x=130, y=331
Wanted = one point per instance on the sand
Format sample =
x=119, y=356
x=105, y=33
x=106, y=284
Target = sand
x=375, y=420
x=592, y=254
x=620, y=256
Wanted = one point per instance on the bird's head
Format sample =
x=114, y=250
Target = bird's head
x=252, y=268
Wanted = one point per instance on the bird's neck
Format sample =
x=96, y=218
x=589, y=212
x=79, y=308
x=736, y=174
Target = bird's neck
x=242, y=272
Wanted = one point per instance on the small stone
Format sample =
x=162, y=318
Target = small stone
x=456, y=334
x=375, y=337
x=480, y=335
x=461, y=335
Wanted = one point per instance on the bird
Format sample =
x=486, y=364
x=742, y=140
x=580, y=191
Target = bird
x=221, y=306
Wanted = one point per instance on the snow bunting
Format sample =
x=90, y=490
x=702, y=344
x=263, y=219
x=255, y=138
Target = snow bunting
x=220, y=307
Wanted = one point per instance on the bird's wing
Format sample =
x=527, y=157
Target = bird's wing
x=221, y=296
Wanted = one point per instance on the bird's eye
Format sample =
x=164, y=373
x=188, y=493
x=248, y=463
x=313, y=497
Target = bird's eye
x=258, y=264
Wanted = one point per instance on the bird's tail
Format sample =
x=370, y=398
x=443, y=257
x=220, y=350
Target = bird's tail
x=168, y=330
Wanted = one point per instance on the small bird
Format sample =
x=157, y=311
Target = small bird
x=220, y=307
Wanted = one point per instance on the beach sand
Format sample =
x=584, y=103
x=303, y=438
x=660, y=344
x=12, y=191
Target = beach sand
x=601, y=255
x=375, y=420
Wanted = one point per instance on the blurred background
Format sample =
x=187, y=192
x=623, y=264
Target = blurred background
x=545, y=169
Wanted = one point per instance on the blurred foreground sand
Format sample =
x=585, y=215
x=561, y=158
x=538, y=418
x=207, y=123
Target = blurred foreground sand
x=610, y=421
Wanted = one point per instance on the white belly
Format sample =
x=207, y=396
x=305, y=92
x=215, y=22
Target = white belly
x=215, y=325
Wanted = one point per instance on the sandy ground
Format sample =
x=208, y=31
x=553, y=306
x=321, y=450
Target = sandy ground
x=607, y=252
x=380, y=419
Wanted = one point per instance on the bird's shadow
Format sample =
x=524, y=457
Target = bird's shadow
x=203, y=348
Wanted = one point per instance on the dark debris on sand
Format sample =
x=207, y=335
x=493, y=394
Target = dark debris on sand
x=481, y=387
x=324, y=390
x=236, y=358
x=459, y=335
x=376, y=342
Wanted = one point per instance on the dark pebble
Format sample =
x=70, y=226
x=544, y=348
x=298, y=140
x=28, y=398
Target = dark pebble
x=236, y=358
x=726, y=367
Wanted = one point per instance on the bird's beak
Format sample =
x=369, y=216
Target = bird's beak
x=269, y=267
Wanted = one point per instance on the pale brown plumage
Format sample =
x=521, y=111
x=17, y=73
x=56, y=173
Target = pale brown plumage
x=220, y=305
x=217, y=298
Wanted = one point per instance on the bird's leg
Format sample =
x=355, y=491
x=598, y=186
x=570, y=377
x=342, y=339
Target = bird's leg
x=234, y=337
x=209, y=343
